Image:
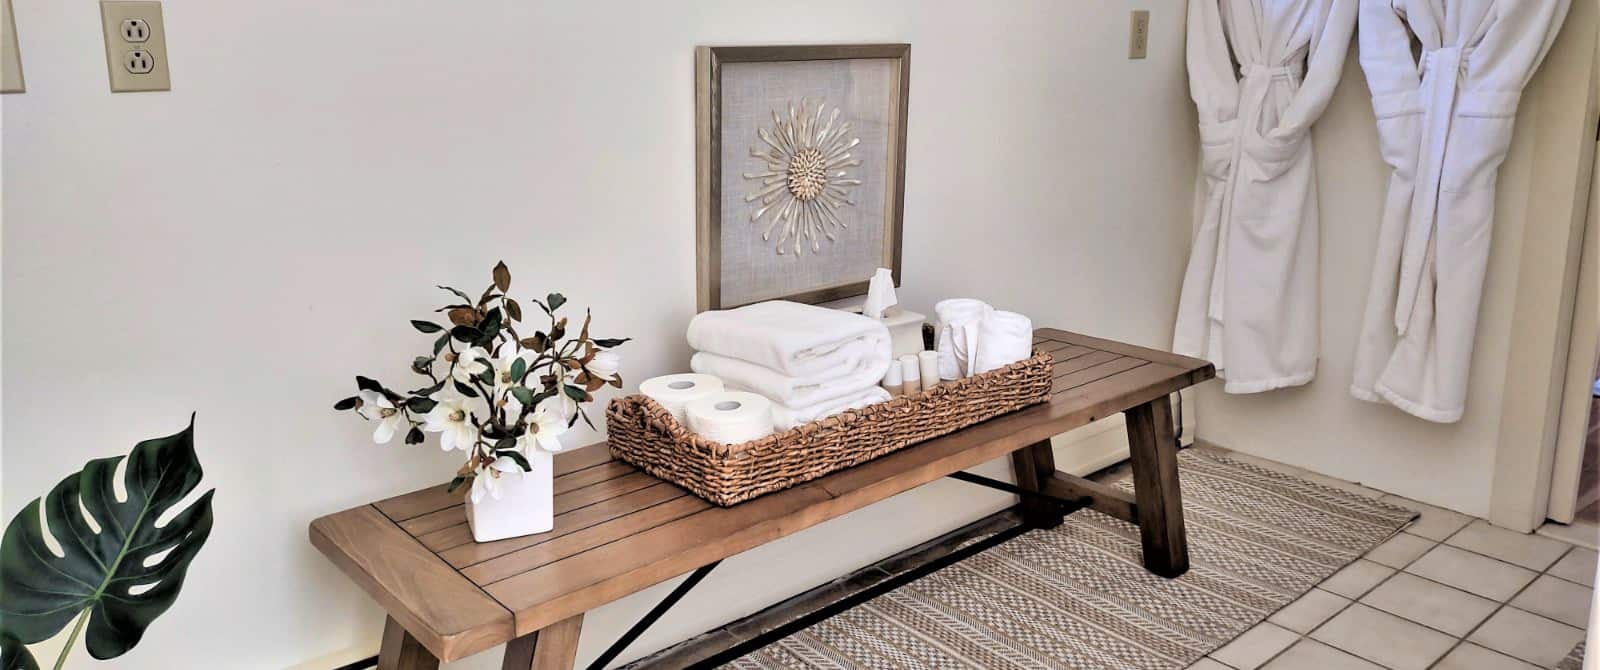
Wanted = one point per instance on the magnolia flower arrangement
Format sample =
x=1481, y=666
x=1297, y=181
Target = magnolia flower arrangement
x=493, y=393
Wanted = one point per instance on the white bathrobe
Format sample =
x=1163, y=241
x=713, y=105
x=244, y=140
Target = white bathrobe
x=1444, y=124
x=1250, y=295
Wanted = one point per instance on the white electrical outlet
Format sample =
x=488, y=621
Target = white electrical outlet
x=10, y=53
x=136, y=46
x=1138, y=34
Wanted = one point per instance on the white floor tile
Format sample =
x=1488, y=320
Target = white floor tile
x=1469, y=656
x=1356, y=579
x=1208, y=664
x=1577, y=566
x=1436, y=523
x=1255, y=646
x=1431, y=604
x=1308, y=654
x=1309, y=611
x=1384, y=638
x=1530, y=637
x=1529, y=551
x=1558, y=599
x=1481, y=575
x=1400, y=550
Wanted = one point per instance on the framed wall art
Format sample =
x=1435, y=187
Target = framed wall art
x=800, y=170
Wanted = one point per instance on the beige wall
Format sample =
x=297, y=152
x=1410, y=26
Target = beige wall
x=1320, y=426
x=244, y=244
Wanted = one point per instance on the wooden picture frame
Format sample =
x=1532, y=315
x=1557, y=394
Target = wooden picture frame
x=709, y=168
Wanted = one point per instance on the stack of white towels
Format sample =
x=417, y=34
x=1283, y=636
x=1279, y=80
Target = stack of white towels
x=810, y=362
x=974, y=338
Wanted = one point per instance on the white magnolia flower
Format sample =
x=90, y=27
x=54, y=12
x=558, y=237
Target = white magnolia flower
x=453, y=422
x=605, y=365
x=502, y=366
x=376, y=407
x=487, y=480
x=469, y=364
x=544, y=431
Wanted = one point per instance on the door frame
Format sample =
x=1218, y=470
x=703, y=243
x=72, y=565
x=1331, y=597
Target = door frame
x=1572, y=433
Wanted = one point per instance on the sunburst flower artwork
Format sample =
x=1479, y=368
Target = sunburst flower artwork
x=806, y=182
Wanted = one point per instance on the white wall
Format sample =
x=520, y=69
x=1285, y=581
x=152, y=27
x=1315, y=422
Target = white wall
x=1320, y=426
x=243, y=245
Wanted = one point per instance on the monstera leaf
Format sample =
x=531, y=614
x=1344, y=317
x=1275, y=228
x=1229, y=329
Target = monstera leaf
x=119, y=573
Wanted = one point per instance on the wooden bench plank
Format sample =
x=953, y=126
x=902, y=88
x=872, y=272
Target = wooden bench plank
x=584, y=539
x=445, y=612
x=1091, y=359
x=564, y=502
x=1095, y=373
x=434, y=498
x=462, y=551
x=1135, y=351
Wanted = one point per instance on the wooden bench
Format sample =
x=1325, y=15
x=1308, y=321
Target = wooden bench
x=619, y=531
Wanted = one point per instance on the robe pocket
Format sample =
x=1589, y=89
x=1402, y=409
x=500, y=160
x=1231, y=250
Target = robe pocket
x=1275, y=155
x=1399, y=130
x=1216, y=147
x=1480, y=136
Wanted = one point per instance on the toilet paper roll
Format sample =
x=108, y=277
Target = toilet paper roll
x=911, y=373
x=928, y=361
x=730, y=417
x=675, y=391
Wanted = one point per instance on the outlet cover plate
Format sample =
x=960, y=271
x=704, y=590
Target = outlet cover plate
x=10, y=53
x=1138, y=34
x=121, y=53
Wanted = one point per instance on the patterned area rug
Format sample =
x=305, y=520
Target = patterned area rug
x=1076, y=597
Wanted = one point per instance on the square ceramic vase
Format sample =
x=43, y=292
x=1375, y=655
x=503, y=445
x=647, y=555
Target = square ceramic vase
x=525, y=506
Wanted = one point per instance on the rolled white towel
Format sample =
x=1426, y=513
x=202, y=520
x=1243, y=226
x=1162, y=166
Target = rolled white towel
x=789, y=417
x=1003, y=338
x=796, y=340
x=958, y=332
x=862, y=365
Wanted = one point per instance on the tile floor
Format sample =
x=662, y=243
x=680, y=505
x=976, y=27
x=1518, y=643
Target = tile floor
x=1450, y=592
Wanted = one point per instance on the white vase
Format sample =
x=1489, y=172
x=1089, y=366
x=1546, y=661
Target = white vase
x=526, y=504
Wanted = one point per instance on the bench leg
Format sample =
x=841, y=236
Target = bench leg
x=553, y=648
x=400, y=651
x=1034, y=465
x=1155, y=487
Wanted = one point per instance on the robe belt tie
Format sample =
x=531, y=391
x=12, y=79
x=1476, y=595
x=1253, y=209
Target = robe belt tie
x=1256, y=82
x=1442, y=71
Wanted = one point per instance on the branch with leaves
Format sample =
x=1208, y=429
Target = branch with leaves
x=492, y=392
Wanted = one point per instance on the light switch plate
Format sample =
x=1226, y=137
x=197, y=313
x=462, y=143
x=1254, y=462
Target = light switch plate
x=1138, y=34
x=136, y=46
x=10, y=53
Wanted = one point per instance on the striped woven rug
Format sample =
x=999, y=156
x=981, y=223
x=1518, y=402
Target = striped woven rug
x=1076, y=597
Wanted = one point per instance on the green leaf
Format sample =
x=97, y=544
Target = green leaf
x=421, y=364
x=14, y=656
x=523, y=395
x=438, y=345
x=607, y=343
x=105, y=572
x=423, y=405
x=455, y=484
x=348, y=403
x=466, y=334
x=458, y=293
x=502, y=277
x=426, y=326
x=556, y=300
x=487, y=376
x=519, y=368
x=428, y=390
x=517, y=456
x=577, y=393
x=367, y=384
x=465, y=390
x=415, y=436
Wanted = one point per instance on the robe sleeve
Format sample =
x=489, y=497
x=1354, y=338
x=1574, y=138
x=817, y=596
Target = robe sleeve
x=1324, y=63
x=1385, y=54
x=1212, y=82
x=1511, y=51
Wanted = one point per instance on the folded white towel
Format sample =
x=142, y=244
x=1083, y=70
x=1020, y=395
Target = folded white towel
x=861, y=365
x=797, y=340
x=788, y=417
x=1003, y=338
x=958, y=334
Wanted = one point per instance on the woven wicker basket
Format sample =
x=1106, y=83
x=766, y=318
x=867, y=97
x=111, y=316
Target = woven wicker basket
x=644, y=433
